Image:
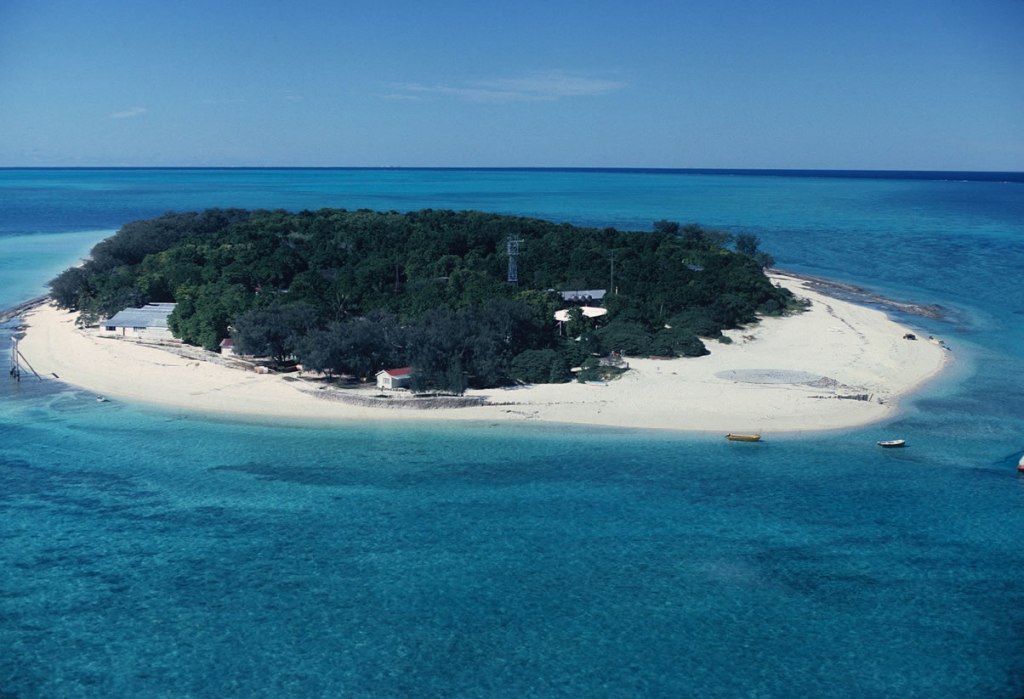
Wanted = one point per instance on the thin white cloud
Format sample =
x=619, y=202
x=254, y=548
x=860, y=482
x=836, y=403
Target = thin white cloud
x=533, y=87
x=224, y=100
x=557, y=84
x=129, y=113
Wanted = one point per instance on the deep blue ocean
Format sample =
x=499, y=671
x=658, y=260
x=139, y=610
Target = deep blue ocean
x=147, y=553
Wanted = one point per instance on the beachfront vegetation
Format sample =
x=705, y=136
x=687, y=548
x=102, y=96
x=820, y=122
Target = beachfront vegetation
x=351, y=292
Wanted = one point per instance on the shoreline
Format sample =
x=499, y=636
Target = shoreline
x=8, y=314
x=837, y=365
x=845, y=291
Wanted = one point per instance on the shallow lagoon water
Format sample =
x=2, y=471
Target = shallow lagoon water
x=154, y=553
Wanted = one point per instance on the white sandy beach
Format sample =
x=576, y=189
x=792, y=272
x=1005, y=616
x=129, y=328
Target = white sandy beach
x=780, y=375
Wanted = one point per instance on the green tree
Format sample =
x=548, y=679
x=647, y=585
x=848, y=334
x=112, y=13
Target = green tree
x=747, y=244
x=538, y=366
x=273, y=332
x=204, y=312
x=667, y=227
x=677, y=342
x=625, y=337
x=68, y=288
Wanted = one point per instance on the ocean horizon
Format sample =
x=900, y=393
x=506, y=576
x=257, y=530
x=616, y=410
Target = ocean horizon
x=159, y=552
x=952, y=175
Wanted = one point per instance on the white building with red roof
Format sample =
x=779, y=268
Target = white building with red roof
x=394, y=378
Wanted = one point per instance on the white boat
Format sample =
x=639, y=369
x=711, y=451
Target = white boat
x=1020, y=464
x=892, y=443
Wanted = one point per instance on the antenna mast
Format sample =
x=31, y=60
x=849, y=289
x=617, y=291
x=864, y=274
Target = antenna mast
x=611, y=285
x=512, y=246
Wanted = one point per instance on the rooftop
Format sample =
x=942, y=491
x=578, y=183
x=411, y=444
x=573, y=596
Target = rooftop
x=583, y=294
x=152, y=315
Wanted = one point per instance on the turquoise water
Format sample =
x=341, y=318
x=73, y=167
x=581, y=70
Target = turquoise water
x=155, y=553
x=28, y=261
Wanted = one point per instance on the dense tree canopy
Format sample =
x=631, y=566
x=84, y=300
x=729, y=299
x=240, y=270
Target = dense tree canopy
x=351, y=292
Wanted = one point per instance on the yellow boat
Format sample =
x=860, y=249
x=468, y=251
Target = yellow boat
x=743, y=437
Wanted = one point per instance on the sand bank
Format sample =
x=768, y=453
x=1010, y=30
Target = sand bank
x=838, y=365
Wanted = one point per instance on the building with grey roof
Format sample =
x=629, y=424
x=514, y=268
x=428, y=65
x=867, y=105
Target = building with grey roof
x=583, y=296
x=146, y=324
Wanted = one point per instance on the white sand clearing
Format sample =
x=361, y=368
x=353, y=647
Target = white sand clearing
x=838, y=365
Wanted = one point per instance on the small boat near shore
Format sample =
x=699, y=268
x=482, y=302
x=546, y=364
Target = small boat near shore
x=892, y=443
x=743, y=437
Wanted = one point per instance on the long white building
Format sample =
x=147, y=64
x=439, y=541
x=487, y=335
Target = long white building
x=146, y=324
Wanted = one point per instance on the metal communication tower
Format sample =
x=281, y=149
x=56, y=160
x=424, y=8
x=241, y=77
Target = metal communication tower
x=512, y=246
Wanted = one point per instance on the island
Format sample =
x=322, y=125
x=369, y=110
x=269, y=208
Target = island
x=521, y=318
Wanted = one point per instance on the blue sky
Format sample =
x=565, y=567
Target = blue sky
x=896, y=84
